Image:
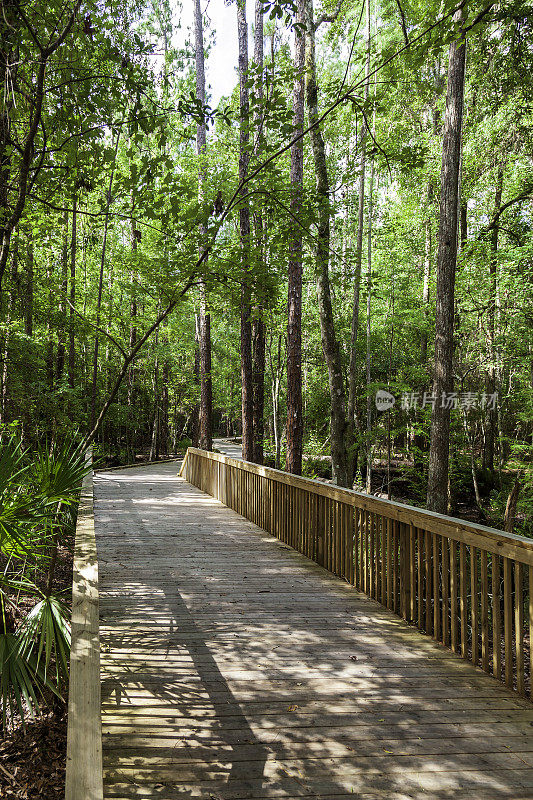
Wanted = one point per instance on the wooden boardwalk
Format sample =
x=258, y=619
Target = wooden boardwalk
x=233, y=667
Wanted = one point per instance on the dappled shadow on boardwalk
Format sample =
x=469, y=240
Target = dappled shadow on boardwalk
x=234, y=668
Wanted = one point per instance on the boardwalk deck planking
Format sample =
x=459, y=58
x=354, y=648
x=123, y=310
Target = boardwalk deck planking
x=233, y=667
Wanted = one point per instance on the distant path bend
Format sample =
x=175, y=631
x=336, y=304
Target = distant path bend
x=228, y=448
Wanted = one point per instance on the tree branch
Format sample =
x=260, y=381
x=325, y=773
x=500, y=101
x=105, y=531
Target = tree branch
x=232, y=202
x=96, y=327
x=522, y=196
x=328, y=17
x=402, y=22
x=131, y=355
x=52, y=47
x=479, y=17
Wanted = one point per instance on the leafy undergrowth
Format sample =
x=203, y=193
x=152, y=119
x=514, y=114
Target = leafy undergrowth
x=33, y=757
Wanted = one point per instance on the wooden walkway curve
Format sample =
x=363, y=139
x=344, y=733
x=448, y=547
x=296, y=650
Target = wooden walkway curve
x=233, y=667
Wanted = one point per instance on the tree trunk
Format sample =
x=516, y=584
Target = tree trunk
x=131, y=392
x=8, y=35
x=28, y=301
x=205, y=420
x=369, y=442
x=389, y=374
x=61, y=306
x=100, y=286
x=427, y=274
x=491, y=421
x=258, y=341
x=352, y=369
x=295, y=426
x=258, y=324
x=247, y=401
x=164, y=428
x=276, y=371
x=471, y=440
x=205, y=413
x=72, y=298
x=437, y=495
x=512, y=503
x=49, y=352
x=330, y=344
x=6, y=338
x=195, y=434
x=155, y=441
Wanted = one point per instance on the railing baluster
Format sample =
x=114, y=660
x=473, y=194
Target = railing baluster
x=412, y=571
x=463, y=599
x=530, y=590
x=484, y=620
x=384, y=551
x=445, y=591
x=432, y=570
x=453, y=596
x=436, y=587
x=507, y=621
x=474, y=604
x=429, y=576
x=519, y=626
x=390, y=603
x=496, y=618
x=338, y=529
x=419, y=572
x=352, y=544
x=403, y=569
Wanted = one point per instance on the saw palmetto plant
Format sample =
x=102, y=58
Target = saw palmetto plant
x=38, y=500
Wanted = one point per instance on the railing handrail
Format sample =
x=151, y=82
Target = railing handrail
x=493, y=540
x=462, y=583
x=84, y=774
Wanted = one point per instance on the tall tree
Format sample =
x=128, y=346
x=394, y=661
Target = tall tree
x=28, y=300
x=491, y=427
x=244, y=225
x=352, y=369
x=109, y=199
x=427, y=274
x=258, y=323
x=205, y=425
x=72, y=294
x=295, y=422
x=330, y=345
x=437, y=494
x=369, y=288
x=61, y=306
x=131, y=395
x=19, y=167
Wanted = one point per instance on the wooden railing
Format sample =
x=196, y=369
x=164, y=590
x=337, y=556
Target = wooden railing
x=468, y=586
x=84, y=779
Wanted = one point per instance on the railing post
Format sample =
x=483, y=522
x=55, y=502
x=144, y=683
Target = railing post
x=320, y=530
x=84, y=776
x=404, y=551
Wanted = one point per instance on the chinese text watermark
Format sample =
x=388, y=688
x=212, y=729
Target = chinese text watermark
x=450, y=400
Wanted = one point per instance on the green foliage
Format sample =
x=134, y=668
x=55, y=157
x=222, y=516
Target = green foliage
x=118, y=141
x=45, y=631
x=38, y=496
x=20, y=680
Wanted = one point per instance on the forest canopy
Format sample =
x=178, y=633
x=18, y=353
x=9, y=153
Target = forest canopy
x=333, y=261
